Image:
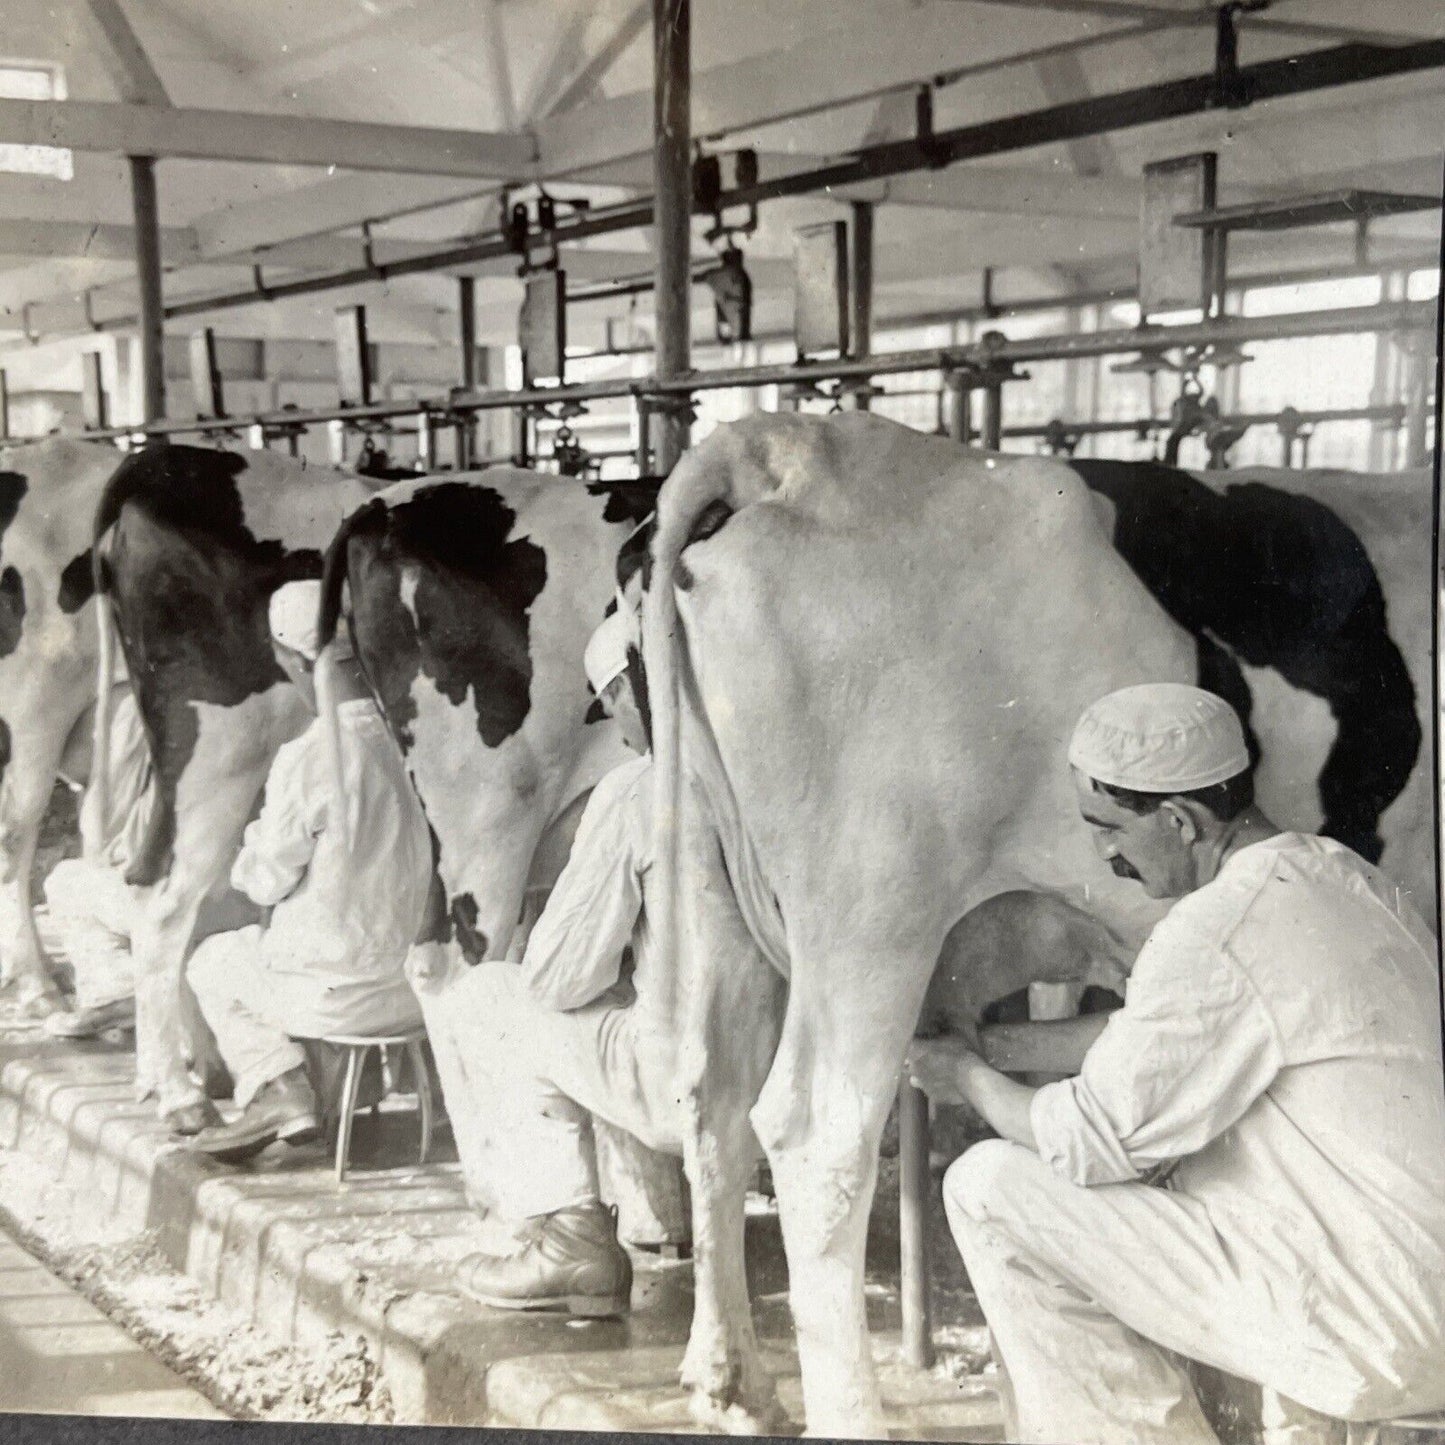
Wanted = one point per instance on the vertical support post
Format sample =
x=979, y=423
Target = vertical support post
x=860, y=292
x=148, y=271
x=956, y=384
x=467, y=335
x=992, y=414
x=644, y=437
x=672, y=173
x=914, y=1182
x=4, y=407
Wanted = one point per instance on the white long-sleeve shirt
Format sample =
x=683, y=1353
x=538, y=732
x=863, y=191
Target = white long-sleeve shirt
x=352, y=915
x=1281, y=1039
x=595, y=912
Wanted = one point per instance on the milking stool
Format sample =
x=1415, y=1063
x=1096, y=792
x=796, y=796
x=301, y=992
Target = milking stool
x=356, y=1047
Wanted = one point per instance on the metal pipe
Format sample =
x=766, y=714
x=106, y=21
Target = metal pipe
x=467, y=313
x=148, y=274
x=860, y=291
x=1170, y=100
x=672, y=175
x=992, y=429
x=1100, y=115
x=1395, y=316
x=914, y=1184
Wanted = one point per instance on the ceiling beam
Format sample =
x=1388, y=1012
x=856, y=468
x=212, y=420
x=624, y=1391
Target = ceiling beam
x=1063, y=79
x=54, y=239
x=584, y=85
x=268, y=139
x=1204, y=15
x=124, y=56
x=847, y=62
x=329, y=205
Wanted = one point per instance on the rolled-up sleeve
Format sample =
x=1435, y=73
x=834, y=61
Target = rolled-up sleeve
x=277, y=848
x=575, y=951
x=1190, y=1051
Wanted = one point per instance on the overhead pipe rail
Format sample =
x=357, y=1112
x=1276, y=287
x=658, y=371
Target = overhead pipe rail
x=990, y=358
x=926, y=150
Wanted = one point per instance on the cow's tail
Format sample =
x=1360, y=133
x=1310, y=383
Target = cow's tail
x=333, y=580
x=107, y=513
x=93, y=839
x=694, y=503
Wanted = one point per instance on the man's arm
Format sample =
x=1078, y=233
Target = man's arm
x=949, y=1072
x=277, y=848
x=574, y=953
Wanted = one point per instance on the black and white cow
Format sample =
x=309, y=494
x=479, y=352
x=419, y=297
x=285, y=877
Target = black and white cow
x=48, y=494
x=471, y=601
x=189, y=544
x=867, y=649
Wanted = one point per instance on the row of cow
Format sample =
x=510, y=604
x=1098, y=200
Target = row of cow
x=864, y=651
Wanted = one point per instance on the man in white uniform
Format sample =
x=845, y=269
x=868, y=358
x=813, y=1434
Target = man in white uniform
x=347, y=899
x=575, y=1033
x=1279, y=1052
x=90, y=903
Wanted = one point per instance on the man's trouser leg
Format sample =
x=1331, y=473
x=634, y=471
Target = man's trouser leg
x=241, y=998
x=93, y=909
x=549, y=1073
x=1091, y=1293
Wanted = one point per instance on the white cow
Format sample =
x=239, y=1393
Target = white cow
x=867, y=649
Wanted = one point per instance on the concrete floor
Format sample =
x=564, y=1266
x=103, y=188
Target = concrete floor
x=58, y=1353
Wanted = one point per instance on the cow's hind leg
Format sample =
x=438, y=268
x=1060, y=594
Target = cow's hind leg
x=37, y=743
x=820, y=1117
x=215, y=797
x=734, y=1007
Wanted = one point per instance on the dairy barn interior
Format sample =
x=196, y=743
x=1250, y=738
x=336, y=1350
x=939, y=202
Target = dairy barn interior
x=308, y=253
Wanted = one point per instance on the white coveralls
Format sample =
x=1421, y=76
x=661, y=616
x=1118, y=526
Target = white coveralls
x=1281, y=1039
x=91, y=905
x=330, y=960
x=567, y=1034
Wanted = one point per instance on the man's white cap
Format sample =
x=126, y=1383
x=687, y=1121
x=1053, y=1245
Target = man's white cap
x=1159, y=737
x=293, y=616
x=606, y=656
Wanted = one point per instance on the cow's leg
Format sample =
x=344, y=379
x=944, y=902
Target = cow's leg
x=37, y=744
x=215, y=797
x=821, y=1113
x=734, y=1009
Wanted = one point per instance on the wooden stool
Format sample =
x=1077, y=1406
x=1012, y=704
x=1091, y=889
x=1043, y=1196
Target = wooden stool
x=356, y=1047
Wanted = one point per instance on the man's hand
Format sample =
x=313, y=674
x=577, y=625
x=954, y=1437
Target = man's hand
x=939, y=1067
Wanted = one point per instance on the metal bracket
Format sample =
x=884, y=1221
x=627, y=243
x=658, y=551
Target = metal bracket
x=87, y=301
x=31, y=335
x=368, y=257
x=928, y=146
x=258, y=281
x=1231, y=91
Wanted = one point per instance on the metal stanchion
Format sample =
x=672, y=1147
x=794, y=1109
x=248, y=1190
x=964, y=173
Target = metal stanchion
x=914, y=1184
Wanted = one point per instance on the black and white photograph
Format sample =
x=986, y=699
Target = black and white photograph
x=722, y=717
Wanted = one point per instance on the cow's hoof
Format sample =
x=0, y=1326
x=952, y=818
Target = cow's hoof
x=190, y=1119
x=733, y=1418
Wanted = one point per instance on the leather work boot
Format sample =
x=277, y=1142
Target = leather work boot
x=284, y=1108
x=572, y=1264
x=88, y=1023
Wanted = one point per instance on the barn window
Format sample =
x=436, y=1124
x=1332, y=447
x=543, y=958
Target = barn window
x=34, y=80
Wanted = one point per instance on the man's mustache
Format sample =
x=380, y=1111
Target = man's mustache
x=1123, y=869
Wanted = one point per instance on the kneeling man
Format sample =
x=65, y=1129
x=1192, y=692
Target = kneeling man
x=574, y=1032
x=347, y=898
x=1278, y=1059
